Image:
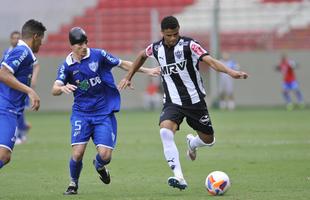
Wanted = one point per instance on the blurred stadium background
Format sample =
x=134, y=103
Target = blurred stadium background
x=256, y=32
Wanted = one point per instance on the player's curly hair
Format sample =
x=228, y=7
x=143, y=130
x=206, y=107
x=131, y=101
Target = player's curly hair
x=169, y=22
x=32, y=27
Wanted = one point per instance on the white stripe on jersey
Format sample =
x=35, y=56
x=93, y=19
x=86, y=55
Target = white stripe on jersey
x=173, y=92
x=184, y=74
x=198, y=77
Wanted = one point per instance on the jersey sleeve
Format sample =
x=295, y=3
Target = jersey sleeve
x=197, y=51
x=13, y=60
x=62, y=75
x=110, y=59
x=149, y=51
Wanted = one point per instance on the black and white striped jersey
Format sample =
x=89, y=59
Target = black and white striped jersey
x=180, y=75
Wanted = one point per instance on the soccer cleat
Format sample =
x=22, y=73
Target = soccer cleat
x=104, y=174
x=176, y=182
x=191, y=153
x=72, y=189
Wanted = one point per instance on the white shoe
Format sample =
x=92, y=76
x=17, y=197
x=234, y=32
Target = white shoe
x=176, y=182
x=191, y=153
x=18, y=141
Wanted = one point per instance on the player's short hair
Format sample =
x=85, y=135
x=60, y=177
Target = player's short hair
x=32, y=27
x=14, y=32
x=169, y=22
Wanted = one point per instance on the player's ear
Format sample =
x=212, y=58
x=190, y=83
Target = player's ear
x=35, y=36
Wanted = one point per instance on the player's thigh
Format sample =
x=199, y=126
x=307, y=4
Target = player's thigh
x=8, y=123
x=171, y=117
x=200, y=121
x=81, y=129
x=105, y=131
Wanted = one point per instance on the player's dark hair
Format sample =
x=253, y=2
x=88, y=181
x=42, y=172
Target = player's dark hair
x=169, y=22
x=14, y=32
x=77, y=35
x=32, y=27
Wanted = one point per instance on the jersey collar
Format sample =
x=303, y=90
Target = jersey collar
x=70, y=60
x=22, y=43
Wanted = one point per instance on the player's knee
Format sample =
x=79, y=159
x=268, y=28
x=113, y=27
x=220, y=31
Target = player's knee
x=77, y=155
x=105, y=158
x=5, y=156
x=166, y=134
x=5, y=159
x=105, y=154
x=209, y=140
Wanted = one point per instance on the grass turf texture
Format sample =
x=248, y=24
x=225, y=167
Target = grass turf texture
x=265, y=152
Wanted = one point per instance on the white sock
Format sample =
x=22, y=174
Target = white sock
x=197, y=142
x=171, y=152
x=222, y=104
x=231, y=105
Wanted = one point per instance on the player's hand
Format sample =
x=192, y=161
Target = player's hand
x=124, y=83
x=35, y=100
x=68, y=88
x=153, y=71
x=239, y=75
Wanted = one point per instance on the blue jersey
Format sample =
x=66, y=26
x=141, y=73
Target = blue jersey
x=96, y=91
x=20, y=62
x=7, y=52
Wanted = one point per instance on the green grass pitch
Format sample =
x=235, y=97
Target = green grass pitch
x=265, y=152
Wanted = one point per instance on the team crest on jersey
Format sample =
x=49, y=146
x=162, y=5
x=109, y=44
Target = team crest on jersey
x=178, y=54
x=93, y=66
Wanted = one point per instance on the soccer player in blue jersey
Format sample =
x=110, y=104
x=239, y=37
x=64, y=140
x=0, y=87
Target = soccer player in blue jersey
x=86, y=73
x=184, y=93
x=22, y=125
x=15, y=78
x=226, y=83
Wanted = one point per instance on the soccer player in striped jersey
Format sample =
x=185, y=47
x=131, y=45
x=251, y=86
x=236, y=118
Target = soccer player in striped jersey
x=15, y=78
x=184, y=92
x=86, y=73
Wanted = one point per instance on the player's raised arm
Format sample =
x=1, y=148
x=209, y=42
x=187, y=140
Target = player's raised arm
x=220, y=67
x=126, y=81
x=127, y=65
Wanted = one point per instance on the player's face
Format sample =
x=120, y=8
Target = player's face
x=37, y=42
x=171, y=36
x=80, y=49
x=14, y=39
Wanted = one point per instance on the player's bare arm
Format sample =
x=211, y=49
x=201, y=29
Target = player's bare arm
x=127, y=65
x=126, y=81
x=9, y=79
x=59, y=88
x=35, y=73
x=220, y=67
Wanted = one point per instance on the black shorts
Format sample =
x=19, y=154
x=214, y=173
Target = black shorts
x=197, y=116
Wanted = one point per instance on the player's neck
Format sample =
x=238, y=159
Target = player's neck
x=76, y=57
